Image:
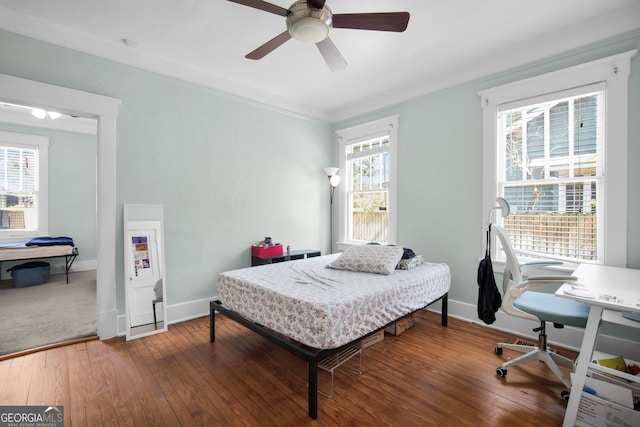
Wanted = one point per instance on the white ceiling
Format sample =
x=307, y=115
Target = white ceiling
x=205, y=41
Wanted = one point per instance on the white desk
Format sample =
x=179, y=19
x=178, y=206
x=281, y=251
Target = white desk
x=611, y=288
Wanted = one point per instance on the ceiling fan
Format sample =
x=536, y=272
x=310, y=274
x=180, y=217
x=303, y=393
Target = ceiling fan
x=311, y=21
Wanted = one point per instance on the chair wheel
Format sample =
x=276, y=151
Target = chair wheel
x=502, y=372
x=564, y=394
x=498, y=350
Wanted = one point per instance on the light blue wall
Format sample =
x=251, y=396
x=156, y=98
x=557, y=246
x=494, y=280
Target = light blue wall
x=440, y=165
x=72, y=186
x=227, y=171
x=230, y=172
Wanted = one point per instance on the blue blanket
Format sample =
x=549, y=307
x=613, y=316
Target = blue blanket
x=50, y=241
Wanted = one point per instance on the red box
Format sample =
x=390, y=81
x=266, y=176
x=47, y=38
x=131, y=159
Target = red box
x=266, y=251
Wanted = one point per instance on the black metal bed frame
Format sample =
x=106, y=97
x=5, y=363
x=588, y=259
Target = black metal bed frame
x=312, y=356
x=68, y=260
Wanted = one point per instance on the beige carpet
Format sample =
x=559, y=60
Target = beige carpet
x=47, y=314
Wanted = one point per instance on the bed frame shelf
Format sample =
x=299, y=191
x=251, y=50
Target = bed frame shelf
x=333, y=362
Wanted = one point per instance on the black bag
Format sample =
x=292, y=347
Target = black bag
x=489, y=298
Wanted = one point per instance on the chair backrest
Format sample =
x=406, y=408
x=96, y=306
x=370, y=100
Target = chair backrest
x=158, y=289
x=512, y=276
x=511, y=263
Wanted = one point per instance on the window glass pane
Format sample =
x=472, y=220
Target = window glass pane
x=554, y=200
x=18, y=175
x=368, y=211
x=513, y=146
x=370, y=216
x=3, y=169
x=13, y=170
x=366, y=167
x=356, y=181
x=28, y=171
x=586, y=125
x=535, y=134
x=559, y=128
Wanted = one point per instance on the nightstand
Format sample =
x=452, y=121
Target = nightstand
x=299, y=254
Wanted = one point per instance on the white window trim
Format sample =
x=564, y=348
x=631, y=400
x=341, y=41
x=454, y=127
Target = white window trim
x=23, y=140
x=363, y=132
x=614, y=71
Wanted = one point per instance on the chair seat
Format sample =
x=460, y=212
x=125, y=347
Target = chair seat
x=551, y=308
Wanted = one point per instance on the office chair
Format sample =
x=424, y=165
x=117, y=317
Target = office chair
x=520, y=301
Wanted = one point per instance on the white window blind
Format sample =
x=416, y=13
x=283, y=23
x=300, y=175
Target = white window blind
x=550, y=168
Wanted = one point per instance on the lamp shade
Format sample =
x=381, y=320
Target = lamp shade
x=331, y=171
x=504, y=207
x=334, y=180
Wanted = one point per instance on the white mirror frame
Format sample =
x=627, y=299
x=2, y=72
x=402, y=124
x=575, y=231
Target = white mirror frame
x=144, y=222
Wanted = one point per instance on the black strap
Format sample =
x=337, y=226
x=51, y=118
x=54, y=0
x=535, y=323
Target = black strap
x=488, y=250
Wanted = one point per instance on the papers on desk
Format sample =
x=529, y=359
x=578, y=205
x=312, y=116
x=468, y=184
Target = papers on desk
x=578, y=292
x=609, y=400
x=608, y=391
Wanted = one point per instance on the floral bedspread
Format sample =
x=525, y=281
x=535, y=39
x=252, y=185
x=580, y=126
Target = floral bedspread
x=325, y=308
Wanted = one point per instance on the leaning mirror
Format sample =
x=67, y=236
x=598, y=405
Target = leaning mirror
x=144, y=270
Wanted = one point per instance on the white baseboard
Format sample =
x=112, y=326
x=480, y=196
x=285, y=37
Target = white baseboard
x=176, y=313
x=567, y=337
x=86, y=265
x=188, y=310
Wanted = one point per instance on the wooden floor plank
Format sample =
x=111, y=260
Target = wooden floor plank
x=428, y=376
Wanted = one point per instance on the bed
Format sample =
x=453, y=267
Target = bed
x=316, y=312
x=25, y=251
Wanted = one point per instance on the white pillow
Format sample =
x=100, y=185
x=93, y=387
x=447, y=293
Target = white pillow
x=369, y=258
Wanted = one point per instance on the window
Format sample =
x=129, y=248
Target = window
x=368, y=197
x=551, y=170
x=555, y=148
x=23, y=186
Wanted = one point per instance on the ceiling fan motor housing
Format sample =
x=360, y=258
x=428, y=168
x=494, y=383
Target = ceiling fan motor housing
x=309, y=25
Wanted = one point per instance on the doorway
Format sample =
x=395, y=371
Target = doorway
x=104, y=110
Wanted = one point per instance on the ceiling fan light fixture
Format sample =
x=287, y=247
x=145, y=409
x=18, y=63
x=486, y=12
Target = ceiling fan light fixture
x=308, y=25
x=38, y=113
x=309, y=30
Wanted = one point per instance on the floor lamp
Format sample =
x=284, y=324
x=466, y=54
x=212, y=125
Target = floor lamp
x=334, y=180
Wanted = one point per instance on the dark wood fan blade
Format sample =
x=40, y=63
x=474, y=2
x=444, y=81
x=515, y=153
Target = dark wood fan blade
x=331, y=55
x=269, y=46
x=316, y=4
x=385, y=21
x=263, y=5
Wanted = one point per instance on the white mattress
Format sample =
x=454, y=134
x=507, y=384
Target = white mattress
x=20, y=251
x=325, y=308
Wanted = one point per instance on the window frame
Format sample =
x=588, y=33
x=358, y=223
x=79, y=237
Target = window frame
x=613, y=72
x=41, y=145
x=387, y=126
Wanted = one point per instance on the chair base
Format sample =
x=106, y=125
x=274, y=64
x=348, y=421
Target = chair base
x=540, y=352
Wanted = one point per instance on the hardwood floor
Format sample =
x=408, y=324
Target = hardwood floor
x=428, y=376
